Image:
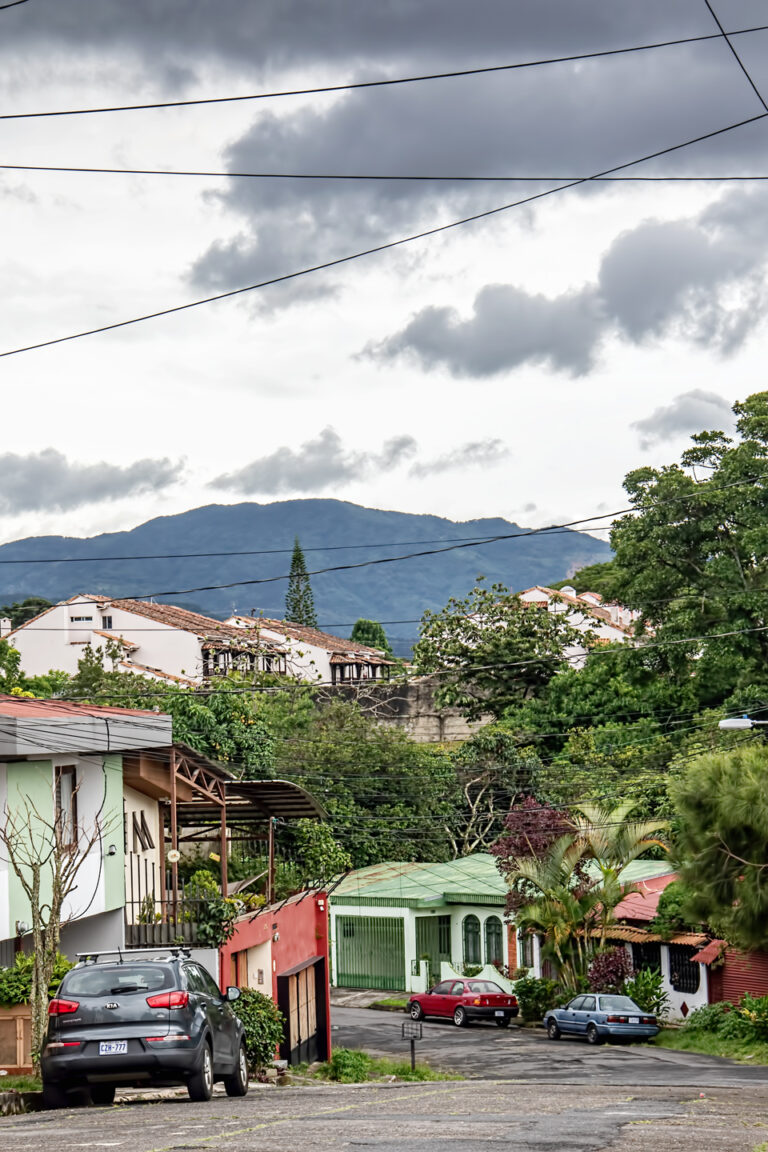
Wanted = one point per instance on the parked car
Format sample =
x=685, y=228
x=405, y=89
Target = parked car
x=599, y=1017
x=465, y=1001
x=132, y=1021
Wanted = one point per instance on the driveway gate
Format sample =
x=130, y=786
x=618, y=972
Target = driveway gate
x=370, y=952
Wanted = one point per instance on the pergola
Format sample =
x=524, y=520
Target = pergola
x=202, y=800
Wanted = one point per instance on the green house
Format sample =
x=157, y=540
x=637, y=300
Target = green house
x=393, y=925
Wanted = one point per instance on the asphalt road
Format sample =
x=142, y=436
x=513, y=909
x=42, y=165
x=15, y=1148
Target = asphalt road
x=487, y=1052
x=523, y=1092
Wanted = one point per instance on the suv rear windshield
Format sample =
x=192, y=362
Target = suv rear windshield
x=105, y=980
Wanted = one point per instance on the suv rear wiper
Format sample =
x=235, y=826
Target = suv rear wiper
x=126, y=988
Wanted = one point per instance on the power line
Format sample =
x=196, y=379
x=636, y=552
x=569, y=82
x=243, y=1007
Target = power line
x=726, y=36
x=374, y=83
x=13, y=4
x=369, y=176
x=384, y=247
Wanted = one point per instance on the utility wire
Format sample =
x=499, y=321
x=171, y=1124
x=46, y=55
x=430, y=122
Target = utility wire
x=375, y=83
x=435, y=179
x=387, y=246
x=13, y=4
x=726, y=36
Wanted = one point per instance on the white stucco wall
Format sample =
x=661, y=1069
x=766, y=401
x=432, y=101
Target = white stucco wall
x=142, y=866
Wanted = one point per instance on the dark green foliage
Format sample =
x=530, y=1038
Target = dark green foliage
x=372, y=634
x=264, y=1026
x=299, y=602
x=646, y=988
x=535, y=996
x=599, y=578
x=16, y=982
x=215, y=915
x=747, y=1020
x=671, y=915
x=348, y=1066
x=722, y=802
x=22, y=611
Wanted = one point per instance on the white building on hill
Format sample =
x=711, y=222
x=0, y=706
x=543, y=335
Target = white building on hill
x=317, y=656
x=607, y=623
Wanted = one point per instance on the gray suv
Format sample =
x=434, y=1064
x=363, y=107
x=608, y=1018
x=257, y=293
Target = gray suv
x=133, y=1022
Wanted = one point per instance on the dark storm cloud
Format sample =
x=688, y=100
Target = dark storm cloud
x=475, y=454
x=47, y=481
x=316, y=465
x=689, y=412
x=325, y=462
x=703, y=280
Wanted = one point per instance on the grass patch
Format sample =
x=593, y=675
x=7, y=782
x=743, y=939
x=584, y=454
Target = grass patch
x=350, y=1066
x=391, y=1003
x=20, y=1084
x=744, y=1051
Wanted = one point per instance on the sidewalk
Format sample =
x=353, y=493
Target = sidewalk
x=360, y=997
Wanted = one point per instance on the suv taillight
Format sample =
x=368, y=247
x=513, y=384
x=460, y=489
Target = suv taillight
x=169, y=1000
x=62, y=1007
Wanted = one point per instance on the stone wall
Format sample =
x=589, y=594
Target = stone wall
x=410, y=706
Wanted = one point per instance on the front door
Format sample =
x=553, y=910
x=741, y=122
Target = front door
x=433, y=942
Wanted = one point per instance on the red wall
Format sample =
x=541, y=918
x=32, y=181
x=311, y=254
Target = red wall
x=741, y=972
x=301, y=926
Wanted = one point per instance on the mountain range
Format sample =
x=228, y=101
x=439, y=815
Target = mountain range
x=155, y=560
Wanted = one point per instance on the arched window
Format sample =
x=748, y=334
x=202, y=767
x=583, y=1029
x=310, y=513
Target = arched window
x=494, y=941
x=471, y=935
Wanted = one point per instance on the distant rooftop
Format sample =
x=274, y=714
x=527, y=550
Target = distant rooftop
x=470, y=880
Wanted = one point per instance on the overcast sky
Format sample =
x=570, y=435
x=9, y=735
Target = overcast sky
x=517, y=366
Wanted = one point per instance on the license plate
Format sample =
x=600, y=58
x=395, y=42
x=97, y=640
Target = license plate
x=498, y=1013
x=634, y=1019
x=113, y=1047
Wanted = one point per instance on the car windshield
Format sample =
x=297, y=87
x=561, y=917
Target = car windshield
x=109, y=979
x=618, y=1004
x=485, y=986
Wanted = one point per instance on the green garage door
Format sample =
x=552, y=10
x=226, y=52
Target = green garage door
x=370, y=952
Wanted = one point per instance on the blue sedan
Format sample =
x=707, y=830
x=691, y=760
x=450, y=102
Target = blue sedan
x=600, y=1017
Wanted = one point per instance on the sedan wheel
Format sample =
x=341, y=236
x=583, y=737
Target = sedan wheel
x=460, y=1017
x=553, y=1031
x=416, y=1011
x=593, y=1036
x=502, y=1021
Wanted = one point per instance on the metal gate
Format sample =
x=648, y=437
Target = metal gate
x=301, y=996
x=433, y=942
x=370, y=952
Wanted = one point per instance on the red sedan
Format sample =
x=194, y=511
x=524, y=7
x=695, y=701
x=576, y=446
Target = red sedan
x=463, y=1001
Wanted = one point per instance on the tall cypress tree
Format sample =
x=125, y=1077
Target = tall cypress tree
x=299, y=602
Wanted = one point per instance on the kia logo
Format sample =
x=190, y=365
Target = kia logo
x=112, y=1005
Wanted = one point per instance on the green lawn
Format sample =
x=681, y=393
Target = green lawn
x=710, y=1044
x=350, y=1066
x=20, y=1084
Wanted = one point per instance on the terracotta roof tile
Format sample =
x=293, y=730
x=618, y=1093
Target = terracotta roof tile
x=314, y=636
x=181, y=619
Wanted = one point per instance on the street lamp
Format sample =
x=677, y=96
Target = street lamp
x=740, y=722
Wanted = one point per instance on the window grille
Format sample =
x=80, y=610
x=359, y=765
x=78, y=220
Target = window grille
x=471, y=934
x=494, y=941
x=684, y=976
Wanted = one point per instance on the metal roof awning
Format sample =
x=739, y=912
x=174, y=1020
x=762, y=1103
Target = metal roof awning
x=253, y=802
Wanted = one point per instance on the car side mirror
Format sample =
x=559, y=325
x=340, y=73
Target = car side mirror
x=233, y=993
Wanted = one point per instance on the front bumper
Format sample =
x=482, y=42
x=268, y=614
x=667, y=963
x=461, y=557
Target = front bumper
x=170, y=1063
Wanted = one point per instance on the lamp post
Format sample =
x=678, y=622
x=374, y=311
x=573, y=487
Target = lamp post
x=740, y=723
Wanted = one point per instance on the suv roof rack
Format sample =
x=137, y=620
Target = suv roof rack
x=174, y=950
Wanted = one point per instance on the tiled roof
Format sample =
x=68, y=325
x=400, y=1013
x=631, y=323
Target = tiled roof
x=314, y=636
x=133, y=666
x=710, y=952
x=630, y=935
x=595, y=610
x=183, y=620
x=121, y=640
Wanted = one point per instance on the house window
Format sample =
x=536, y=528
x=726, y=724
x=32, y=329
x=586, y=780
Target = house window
x=494, y=941
x=646, y=957
x=684, y=976
x=66, y=804
x=471, y=938
x=106, y=623
x=142, y=837
x=526, y=951
x=444, y=936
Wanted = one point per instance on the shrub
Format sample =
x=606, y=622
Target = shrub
x=609, y=970
x=646, y=988
x=348, y=1067
x=754, y=1009
x=535, y=996
x=16, y=982
x=263, y=1023
x=709, y=1018
x=724, y=1020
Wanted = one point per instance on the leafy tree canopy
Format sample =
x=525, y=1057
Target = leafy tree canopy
x=722, y=803
x=491, y=650
x=23, y=610
x=371, y=633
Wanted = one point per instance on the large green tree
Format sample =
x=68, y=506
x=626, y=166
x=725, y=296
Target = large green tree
x=722, y=840
x=299, y=601
x=371, y=633
x=490, y=651
x=693, y=556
